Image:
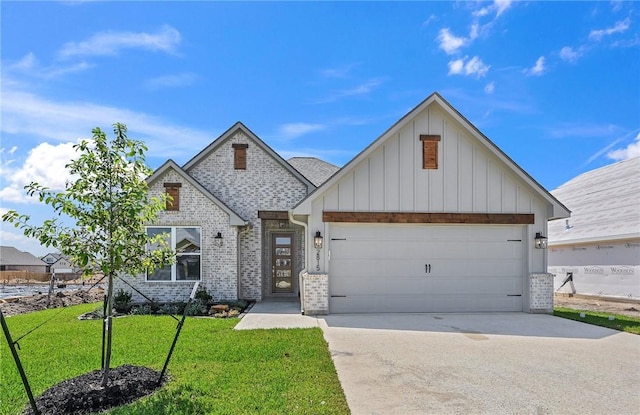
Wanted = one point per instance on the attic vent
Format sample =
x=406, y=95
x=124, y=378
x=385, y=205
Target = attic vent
x=240, y=156
x=173, y=191
x=429, y=151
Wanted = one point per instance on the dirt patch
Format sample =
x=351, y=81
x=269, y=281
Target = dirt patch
x=22, y=305
x=84, y=394
x=608, y=305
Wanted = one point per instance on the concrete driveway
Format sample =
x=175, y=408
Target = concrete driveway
x=504, y=363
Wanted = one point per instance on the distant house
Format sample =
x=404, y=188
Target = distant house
x=12, y=259
x=60, y=264
x=430, y=217
x=599, y=247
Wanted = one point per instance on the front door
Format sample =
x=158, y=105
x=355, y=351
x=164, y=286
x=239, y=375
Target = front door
x=282, y=262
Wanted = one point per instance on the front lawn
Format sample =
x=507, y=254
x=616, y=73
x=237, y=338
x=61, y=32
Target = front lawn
x=214, y=369
x=620, y=322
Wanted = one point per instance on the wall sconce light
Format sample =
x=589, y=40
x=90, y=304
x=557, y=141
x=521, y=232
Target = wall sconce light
x=317, y=240
x=317, y=243
x=218, y=239
x=541, y=241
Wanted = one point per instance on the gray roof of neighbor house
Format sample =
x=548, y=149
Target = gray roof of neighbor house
x=604, y=203
x=315, y=170
x=11, y=256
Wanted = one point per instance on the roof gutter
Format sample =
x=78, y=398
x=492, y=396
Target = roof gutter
x=306, y=252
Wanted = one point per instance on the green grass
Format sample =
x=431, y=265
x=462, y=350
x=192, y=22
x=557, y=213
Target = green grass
x=213, y=370
x=620, y=322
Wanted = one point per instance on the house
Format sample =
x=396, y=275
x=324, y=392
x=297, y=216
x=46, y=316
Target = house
x=59, y=264
x=598, y=249
x=431, y=217
x=12, y=259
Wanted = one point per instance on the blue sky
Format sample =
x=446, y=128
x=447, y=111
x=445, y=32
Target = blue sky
x=556, y=85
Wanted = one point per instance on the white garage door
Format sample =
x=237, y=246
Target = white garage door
x=425, y=268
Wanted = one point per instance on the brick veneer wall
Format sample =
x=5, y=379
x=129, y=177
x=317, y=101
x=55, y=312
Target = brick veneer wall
x=264, y=185
x=541, y=293
x=316, y=293
x=219, y=264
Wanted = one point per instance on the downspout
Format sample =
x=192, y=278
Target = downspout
x=306, y=256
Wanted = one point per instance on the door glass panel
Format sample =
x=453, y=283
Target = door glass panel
x=282, y=263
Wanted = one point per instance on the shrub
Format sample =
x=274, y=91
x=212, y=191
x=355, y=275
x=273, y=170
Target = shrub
x=122, y=301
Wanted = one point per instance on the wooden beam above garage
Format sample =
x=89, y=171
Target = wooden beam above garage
x=416, y=217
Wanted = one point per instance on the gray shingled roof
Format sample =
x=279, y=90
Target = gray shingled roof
x=315, y=170
x=11, y=256
x=603, y=203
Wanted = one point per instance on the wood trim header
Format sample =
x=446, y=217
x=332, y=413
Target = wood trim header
x=273, y=214
x=427, y=137
x=239, y=145
x=172, y=185
x=423, y=217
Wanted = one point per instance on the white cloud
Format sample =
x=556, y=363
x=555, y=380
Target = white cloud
x=630, y=151
x=44, y=165
x=449, y=42
x=473, y=66
x=25, y=113
x=171, y=81
x=110, y=43
x=619, y=27
x=498, y=6
x=569, y=54
x=490, y=87
x=29, y=65
x=362, y=89
x=339, y=72
x=295, y=130
x=537, y=69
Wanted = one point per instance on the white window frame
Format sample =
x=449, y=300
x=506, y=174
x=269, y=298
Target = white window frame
x=174, y=271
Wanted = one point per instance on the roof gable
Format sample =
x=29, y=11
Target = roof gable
x=230, y=133
x=557, y=210
x=234, y=218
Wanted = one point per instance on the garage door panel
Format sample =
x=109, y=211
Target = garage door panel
x=425, y=268
x=424, y=304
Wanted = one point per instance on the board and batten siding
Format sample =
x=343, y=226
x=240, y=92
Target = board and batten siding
x=469, y=179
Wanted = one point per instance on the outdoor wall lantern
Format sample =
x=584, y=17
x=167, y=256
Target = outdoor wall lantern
x=317, y=243
x=541, y=241
x=218, y=239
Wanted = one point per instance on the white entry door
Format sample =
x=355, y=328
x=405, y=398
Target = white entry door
x=425, y=268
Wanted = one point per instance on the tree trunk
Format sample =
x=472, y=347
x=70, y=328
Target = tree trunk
x=107, y=327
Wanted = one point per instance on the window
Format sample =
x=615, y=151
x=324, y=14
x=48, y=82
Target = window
x=429, y=151
x=240, y=156
x=173, y=191
x=186, y=242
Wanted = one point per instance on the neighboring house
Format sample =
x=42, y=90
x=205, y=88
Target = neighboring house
x=11, y=259
x=431, y=217
x=60, y=264
x=599, y=247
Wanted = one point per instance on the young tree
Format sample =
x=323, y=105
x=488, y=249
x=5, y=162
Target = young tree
x=108, y=201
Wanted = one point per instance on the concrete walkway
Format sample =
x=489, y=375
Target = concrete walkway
x=276, y=314
x=502, y=363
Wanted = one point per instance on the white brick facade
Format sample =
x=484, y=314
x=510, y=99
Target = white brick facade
x=541, y=293
x=218, y=197
x=316, y=294
x=219, y=264
x=264, y=185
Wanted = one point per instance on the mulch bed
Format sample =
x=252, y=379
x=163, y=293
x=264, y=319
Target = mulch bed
x=84, y=394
